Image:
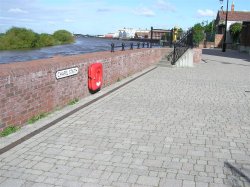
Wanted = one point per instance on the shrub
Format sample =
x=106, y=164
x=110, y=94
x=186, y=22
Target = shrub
x=21, y=38
x=18, y=38
x=198, y=33
x=235, y=30
x=63, y=36
x=46, y=40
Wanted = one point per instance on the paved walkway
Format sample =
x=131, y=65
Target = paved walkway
x=172, y=127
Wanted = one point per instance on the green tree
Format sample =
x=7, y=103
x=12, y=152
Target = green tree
x=22, y=38
x=209, y=29
x=46, y=40
x=18, y=38
x=235, y=30
x=198, y=33
x=63, y=37
x=179, y=34
x=2, y=42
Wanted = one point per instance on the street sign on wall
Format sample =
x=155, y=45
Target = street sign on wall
x=66, y=72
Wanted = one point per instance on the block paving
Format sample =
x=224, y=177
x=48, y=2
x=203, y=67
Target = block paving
x=173, y=127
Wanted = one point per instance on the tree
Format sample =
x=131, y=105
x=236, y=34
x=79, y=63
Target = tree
x=63, y=36
x=22, y=38
x=18, y=38
x=235, y=30
x=198, y=33
x=209, y=30
x=179, y=34
x=46, y=40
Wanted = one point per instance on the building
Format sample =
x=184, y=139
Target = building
x=125, y=33
x=128, y=33
x=158, y=34
x=143, y=34
x=233, y=17
x=245, y=37
x=109, y=35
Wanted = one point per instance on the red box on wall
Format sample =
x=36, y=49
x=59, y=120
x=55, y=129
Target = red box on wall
x=95, y=77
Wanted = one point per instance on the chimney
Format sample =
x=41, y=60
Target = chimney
x=232, y=7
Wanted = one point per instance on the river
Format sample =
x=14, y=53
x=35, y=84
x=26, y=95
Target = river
x=80, y=46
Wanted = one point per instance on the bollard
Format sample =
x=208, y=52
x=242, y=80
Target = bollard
x=138, y=45
x=123, y=46
x=143, y=44
x=112, y=47
x=147, y=45
x=131, y=46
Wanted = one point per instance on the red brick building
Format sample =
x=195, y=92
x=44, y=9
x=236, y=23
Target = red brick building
x=233, y=17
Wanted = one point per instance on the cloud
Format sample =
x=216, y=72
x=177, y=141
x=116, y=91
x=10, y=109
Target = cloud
x=26, y=20
x=69, y=20
x=164, y=5
x=52, y=22
x=144, y=12
x=104, y=10
x=17, y=10
x=5, y=18
x=16, y=19
x=205, y=13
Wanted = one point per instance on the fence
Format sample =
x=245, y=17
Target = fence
x=181, y=47
x=130, y=46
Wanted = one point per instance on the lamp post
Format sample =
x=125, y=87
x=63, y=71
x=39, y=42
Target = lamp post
x=225, y=31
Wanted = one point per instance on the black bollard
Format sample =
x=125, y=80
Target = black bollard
x=112, y=47
x=147, y=45
x=131, y=46
x=138, y=45
x=143, y=44
x=123, y=46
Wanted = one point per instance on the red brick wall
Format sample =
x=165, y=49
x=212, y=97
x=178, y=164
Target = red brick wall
x=197, y=55
x=218, y=40
x=30, y=88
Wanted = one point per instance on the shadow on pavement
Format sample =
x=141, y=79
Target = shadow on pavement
x=224, y=62
x=229, y=54
x=240, y=174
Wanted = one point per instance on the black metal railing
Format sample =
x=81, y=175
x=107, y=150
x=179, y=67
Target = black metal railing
x=130, y=46
x=181, y=47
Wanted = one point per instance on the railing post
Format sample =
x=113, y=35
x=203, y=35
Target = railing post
x=191, y=38
x=131, y=46
x=112, y=47
x=123, y=46
x=174, y=55
x=151, y=37
x=171, y=38
x=138, y=45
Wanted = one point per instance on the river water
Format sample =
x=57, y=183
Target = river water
x=82, y=45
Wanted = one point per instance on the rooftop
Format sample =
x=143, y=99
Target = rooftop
x=234, y=16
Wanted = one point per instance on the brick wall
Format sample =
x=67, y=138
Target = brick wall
x=197, y=54
x=218, y=40
x=30, y=88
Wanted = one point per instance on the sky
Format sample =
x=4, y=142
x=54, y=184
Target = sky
x=106, y=16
